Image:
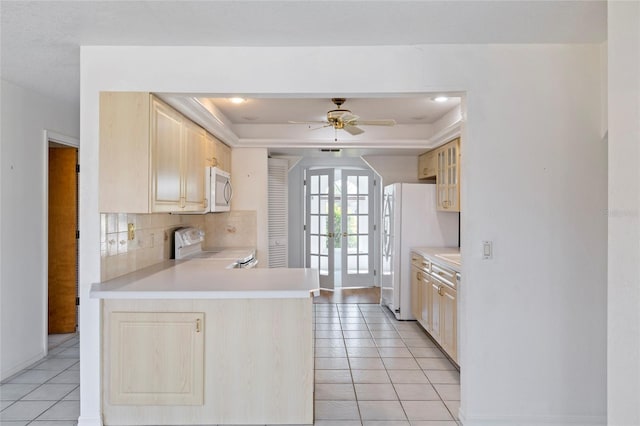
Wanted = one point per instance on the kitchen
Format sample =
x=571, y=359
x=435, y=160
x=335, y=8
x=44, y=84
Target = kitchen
x=120, y=130
x=105, y=76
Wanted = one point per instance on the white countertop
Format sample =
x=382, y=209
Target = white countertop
x=208, y=279
x=432, y=254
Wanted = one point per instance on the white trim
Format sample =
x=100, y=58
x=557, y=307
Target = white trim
x=530, y=420
x=29, y=362
x=89, y=421
x=50, y=136
x=446, y=134
x=324, y=143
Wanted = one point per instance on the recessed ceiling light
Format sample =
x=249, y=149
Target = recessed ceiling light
x=419, y=117
x=237, y=100
x=441, y=99
x=250, y=117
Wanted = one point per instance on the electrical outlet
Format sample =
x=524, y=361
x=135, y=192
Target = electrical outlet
x=131, y=228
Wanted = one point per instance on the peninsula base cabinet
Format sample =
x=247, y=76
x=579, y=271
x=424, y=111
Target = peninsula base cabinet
x=213, y=361
x=434, y=303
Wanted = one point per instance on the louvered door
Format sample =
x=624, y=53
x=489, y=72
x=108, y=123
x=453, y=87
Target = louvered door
x=278, y=217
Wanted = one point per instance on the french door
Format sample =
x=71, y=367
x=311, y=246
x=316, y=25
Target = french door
x=339, y=226
x=320, y=220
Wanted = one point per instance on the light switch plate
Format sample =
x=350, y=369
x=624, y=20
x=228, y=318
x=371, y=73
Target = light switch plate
x=487, y=250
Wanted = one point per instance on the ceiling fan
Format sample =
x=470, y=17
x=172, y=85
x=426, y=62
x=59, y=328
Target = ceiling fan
x=343, y=119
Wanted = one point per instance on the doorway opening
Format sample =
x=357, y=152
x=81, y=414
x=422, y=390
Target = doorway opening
x=62, y=225
x=339, y=226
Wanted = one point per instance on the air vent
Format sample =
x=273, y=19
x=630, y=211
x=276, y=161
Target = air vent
x=329, y=150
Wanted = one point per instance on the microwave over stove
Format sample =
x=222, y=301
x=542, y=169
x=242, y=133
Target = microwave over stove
x=219, y=189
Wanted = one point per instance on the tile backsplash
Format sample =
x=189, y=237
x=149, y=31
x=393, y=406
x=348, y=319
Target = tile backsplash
x=152, y=242
x=231, y=229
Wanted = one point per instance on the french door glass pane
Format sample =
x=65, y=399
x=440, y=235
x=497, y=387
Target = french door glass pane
x=313, y=249
x=363, y=204
x=315, y=185
x=363, y=264
x=363, y=224
x=363, y=244
x=352, y=185
x=363, y=184
x=314, y=224
x=314, y=204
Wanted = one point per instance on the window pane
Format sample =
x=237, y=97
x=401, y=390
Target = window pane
x=352, y=244
x=314, y=262
x=324, y=184
x=324, y=205
x=363, y=244
x=352, y=205
x=352, y=264
x=363, y=264
x=364, y=204
x=314, y=200
x=323, y=224
x=363, y=185
x=324, y=265
x=352, y=224
x=352, y=184
x=313, y=245
x=314, y=224
x=315, y=184
x=324, y=245
x=363, y=224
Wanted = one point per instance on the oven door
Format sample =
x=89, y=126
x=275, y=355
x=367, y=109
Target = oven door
x=221, y=190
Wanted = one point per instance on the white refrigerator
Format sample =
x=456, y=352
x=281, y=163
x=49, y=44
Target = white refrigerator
x=410, y=219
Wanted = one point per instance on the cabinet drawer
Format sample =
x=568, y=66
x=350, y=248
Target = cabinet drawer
x=446, y=275
x=420, y=262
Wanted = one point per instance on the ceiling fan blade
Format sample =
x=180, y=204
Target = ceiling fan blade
x=352, y=130
x=321, y=127
x=348, y=118
x=376, y=122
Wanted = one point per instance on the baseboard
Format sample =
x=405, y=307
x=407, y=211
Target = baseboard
x=89, y=421
x=7, y=375
x=530, y=420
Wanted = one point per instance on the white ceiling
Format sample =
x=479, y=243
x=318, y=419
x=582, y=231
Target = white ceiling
x=40, y=47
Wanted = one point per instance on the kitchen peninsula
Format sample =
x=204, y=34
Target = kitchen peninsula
x=191, y=342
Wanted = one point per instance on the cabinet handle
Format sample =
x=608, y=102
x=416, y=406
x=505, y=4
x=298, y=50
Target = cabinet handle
x=440, y=290
x=419, y=276
x=198, y=325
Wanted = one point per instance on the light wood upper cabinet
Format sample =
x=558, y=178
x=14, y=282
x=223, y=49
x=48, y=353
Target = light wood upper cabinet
x=217, y=154
x=166, y=154
x=156, y=358
x=448, y=176
x=151, y=156
x=193, y=172
x=427, y=165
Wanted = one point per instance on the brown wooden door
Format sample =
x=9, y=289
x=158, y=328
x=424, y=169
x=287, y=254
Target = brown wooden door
x=62, y=239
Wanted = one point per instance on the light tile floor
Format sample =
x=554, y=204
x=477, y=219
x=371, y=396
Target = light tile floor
x=374, y=370
x=47, y=393
x=371, y=370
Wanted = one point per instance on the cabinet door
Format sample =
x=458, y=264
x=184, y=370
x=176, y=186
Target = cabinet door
x=435, y=310
x=427, y=166
x=425, y=314
x=223, y=153
x=416, y=296
x=453, y=176
x=156, y=358
x=210, y=157
x=166, y=145
x=441, y=179
x=448, y=324
x=193, y=171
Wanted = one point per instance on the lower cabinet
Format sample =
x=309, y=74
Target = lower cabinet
x=434, y=304
x=157, y=358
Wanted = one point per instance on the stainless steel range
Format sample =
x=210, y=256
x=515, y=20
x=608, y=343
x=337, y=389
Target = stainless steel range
x=188, y=245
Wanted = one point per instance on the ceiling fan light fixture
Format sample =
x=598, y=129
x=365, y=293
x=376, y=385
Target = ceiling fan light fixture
x=441, y=99
x=237, y=100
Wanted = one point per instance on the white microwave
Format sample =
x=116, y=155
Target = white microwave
x=219, y=189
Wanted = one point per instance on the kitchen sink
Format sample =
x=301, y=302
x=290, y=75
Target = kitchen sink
x=450, y=257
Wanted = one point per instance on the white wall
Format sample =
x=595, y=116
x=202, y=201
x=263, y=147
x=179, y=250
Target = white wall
x=533, y=319
x=250, y=179
x=23, y=264
x=623, y=356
